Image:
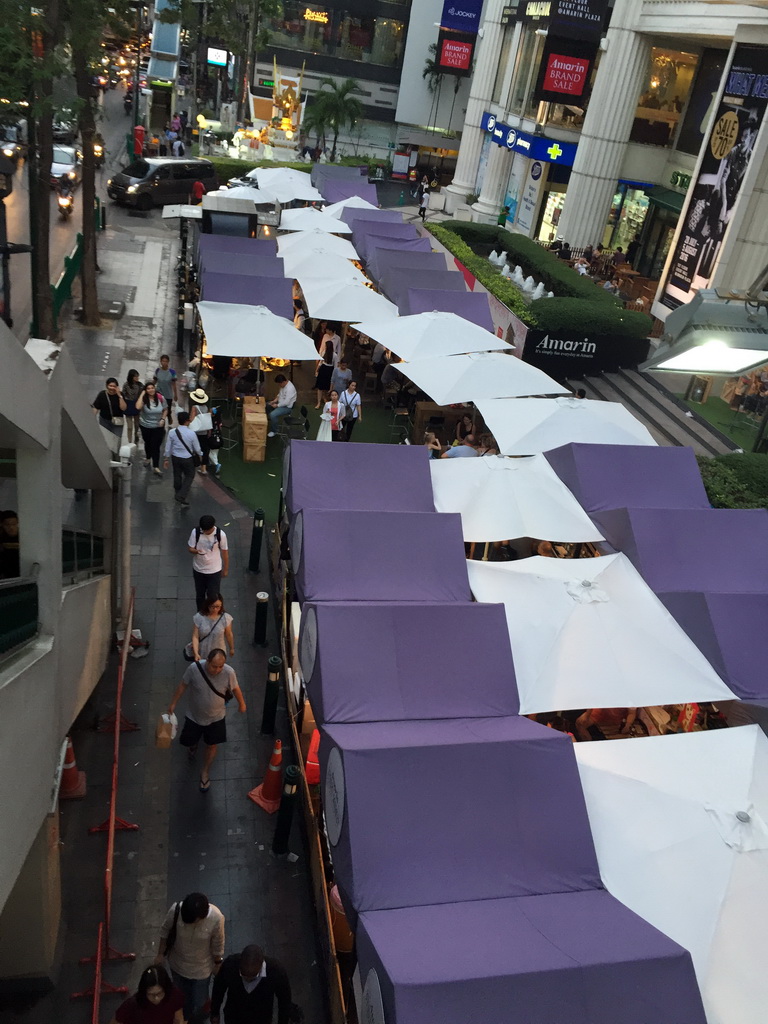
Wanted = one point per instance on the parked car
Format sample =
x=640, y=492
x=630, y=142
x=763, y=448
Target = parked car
x=13, y=143
x=66, y=161
x=157, y=181
x=64, y=131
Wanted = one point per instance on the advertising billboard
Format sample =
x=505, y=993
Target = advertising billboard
x=727, y=152
x=565, y=70
x=462, y=15
x=455, y=51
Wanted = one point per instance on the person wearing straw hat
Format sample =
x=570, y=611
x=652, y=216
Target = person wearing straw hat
x=199, y=410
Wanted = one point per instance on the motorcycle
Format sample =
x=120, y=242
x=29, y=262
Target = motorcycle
x=98, y=154
x=66, y=203
x=128, y=104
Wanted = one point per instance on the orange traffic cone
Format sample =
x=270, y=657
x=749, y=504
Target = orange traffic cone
x=72, y=781
x=312, y=764
x=267, y=795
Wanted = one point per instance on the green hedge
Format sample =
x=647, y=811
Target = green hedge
x=227, y=168
x=487, y=274
x=739, y=480
x=578, y=305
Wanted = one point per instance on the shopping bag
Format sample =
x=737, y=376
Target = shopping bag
x=165, y=731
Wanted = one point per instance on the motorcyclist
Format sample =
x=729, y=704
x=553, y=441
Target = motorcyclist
x=64, y=186
x=128, y=102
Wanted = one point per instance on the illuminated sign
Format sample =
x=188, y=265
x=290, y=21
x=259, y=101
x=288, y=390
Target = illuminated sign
x=217, y=56
x=319, y=16
x=536, y=147
x=566, y=75
x=455, y=51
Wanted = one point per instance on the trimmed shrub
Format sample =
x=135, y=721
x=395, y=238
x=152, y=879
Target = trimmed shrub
x=739, y=480
x=579, y=305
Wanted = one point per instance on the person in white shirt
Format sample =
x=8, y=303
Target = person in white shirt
x=282, y=404
x=352, y=407
x=197, y=950
x=180, y=446
x=210, y=550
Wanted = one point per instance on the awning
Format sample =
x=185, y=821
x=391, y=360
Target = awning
x=666, y=198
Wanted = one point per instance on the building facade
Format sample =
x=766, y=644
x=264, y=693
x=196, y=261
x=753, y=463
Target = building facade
x=55, y=630
x=615, y=166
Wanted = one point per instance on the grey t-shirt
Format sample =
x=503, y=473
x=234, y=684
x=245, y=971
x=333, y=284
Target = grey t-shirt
x=203, y=706
x=210, y=633
x=151, y=414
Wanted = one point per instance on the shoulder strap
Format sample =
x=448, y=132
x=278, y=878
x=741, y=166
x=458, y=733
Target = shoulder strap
x=178, y=435
x=210, y=631
x=197, y=534
x=205, y=677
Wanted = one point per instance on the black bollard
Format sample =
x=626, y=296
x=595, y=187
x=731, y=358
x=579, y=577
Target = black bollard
x=256, y=537
x=285, y=811
x=271, y=694
x=180, y=328
x=260, y=622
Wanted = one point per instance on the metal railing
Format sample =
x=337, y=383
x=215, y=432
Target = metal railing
x=18, y=613
x=82, y=554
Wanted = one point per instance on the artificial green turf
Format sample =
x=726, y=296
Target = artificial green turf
x=737, y=426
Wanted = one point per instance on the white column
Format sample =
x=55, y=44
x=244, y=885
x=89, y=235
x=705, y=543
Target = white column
x=607, y=125
x=486, y=63
x=488, y=205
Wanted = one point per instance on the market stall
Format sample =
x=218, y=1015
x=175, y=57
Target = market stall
x=300, y=264
x=315, y=242
x=478, y=375
x=313, y=220
x=405, y=679
x=252, y=332
x=352, y=214
x=471, y=306
x=274, y=293
x=432, y=333
x=230, y=247
x=589, y=633
x=681, y=831
x=395, y=283
x=386, y=256
x=357, y=199
x=243, y=264
x=345, y=300
x=603, y=476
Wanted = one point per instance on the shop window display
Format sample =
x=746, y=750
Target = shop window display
x=626, y=219
x=341, y=34
x=526, y=65
x=664, y=96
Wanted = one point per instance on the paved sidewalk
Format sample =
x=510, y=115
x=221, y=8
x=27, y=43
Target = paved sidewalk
x=218, y=842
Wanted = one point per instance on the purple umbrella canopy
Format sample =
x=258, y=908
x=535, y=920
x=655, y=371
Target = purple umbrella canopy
x=396, y=283
x=725, y=628
x=366, y=237
x=274, y=293
x=378, y=477
x=714, y=550
x=378, y=556
x=371, y=244
x=389, y=255
x=603, y=476
x=242, y=265
x=472, y=306
x=352, y=214
x=421, y=662
x=335, y=172
x=446, y=811
x=564, y=958
x=336, y=191
x=237, y=246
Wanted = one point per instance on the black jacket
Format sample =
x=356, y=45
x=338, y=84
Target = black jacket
x=251, y=1007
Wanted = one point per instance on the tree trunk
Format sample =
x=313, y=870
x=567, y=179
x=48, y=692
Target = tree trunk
x=333, y=147
x=87, y=123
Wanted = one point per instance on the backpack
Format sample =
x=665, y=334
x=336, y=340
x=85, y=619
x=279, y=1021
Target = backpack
x=217, y=535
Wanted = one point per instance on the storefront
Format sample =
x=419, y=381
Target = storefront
x=627, y=216
x=664, y=211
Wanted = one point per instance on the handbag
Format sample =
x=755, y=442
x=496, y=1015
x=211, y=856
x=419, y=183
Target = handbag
x=117, y=421
x=170, y=941
x=196, y=460
x=226, y=696
x=187, y=651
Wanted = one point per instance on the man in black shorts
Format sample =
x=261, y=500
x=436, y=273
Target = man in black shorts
x=210, y=686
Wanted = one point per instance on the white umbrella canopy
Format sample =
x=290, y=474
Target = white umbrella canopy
x=184, y=210
x=311, y=264
x=355, y=201
x=477, y=375
x=500, y=499
x=245, y=192
x=316, y=243
x=528, y=426
x=426, y=335
x=310, y=219
x=330, y=299
x=589, y=632
x=251, y=332
x=285, y=184
x=680, y=825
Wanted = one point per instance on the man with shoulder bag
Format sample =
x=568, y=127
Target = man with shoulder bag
x=182, y=449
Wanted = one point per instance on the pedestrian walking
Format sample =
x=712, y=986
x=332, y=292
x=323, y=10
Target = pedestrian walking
x=165, y=378
x=424, y=204
x=211, y=628
x=248, y=985
x=210, y=685
x=110, y=406
x=324, y=368
x=341, y=377
x=152, y=412
x=210, y=562
x=181, y=446
x=157, y=1000
x=353, y=409
x=177, y=147
x=192, y=941
x=200, y=421
x=131, y=391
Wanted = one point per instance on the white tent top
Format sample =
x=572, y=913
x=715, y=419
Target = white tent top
x=356, y=201
x=500, y=499
x=313, y=220
x=252, y=332
x=308, y=265
x=285, y=184
x=528, y=426
x=663, y=812
x=330, y=299
x=184, y=210
x=269, y=175
x=589, y=632
x=303, y=243
x=224, y=202
x=426, y=335
x=449, y=380
x=245, y=192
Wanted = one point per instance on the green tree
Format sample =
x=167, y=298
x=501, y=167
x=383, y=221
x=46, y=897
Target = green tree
x=338, y=105
x=315, y=120
x=433, y=76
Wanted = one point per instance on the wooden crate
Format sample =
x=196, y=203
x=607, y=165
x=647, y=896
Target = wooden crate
x=254, y=429
x=253, y=402
x=256, y=452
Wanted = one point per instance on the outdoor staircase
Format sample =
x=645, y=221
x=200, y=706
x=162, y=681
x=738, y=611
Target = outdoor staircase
x=668, y=419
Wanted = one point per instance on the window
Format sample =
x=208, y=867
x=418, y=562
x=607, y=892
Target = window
x=526, y=65
x=315, y=29
x=501, y=70
x=664, y=96
x=138, y=169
